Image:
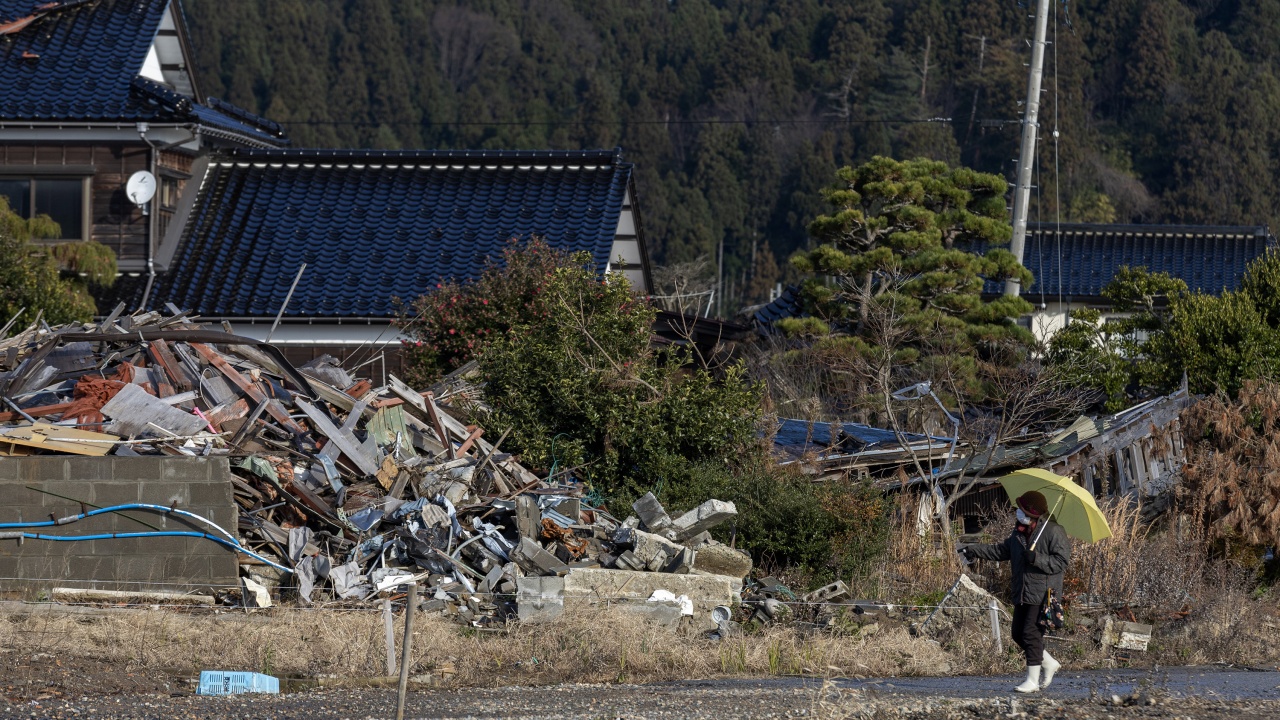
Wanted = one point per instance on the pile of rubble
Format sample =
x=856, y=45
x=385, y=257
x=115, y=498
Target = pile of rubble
x=346, y=491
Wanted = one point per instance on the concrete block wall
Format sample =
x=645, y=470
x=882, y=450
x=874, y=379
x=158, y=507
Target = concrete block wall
x=30, y=488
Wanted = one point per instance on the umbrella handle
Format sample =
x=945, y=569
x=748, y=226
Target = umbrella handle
x=1036, y=540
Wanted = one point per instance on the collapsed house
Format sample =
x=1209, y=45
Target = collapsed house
x=342, y=491
x=1136, y=454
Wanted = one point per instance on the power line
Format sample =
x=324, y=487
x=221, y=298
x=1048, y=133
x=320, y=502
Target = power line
x=561, y=123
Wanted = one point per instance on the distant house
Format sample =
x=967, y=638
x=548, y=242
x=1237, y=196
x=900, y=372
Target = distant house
x=92, y=92
x=1073, y=262
x=374, y=228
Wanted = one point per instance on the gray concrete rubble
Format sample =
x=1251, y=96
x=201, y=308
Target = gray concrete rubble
x=969, y=605
x=702, y=518
x=336, y=489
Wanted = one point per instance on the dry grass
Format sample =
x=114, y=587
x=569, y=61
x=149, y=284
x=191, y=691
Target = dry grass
x=593, y=645
x=1159, y=571
x=913, y=566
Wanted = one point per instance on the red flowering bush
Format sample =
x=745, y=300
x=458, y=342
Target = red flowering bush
x=448, y=326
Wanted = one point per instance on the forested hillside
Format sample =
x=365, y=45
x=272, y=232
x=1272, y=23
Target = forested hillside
x=738, y=111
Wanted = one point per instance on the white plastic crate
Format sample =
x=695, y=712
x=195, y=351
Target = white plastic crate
x=222, y=682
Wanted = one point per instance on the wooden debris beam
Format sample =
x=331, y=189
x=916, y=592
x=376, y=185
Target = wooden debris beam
x=250, y=389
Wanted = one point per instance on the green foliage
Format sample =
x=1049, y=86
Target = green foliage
x=830, y=529
x=903, y=258
x=1219, y=342
x=32, y=276
x=907, y=233
x=577, y=381
x=1261, y=283
x=448, y=326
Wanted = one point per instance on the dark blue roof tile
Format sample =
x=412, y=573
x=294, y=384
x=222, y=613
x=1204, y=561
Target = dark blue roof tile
x=80, y=61
x=373, y=226
x=1077, y=260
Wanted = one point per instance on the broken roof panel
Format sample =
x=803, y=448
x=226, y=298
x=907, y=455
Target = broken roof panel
x=799, y=437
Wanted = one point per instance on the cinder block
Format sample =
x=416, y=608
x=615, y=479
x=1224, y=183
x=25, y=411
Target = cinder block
x=140, y=569
x=702, y=518
x=55, y=493
x=185, y=470
x=136, y=469
x=181, y=568
x=115, y=492
x=539, y=599
x=49, y=569
x=88, y=469
x=165, y=493
x=12, y=509
x=9, y=468
x=209, y=494
x=91, y=567
x=42, y=469
x=219, y=470
x=9, y=567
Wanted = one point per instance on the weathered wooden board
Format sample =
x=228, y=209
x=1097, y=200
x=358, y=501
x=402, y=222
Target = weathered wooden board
x=56, y=438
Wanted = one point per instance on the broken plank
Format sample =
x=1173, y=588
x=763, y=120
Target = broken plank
x=345, y=441
x=164, y=357
x=60, y=439
x=40, y=411
x=254, y=393
x=471, y=438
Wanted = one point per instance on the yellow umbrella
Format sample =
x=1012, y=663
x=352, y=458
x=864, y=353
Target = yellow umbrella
x=1070, y=505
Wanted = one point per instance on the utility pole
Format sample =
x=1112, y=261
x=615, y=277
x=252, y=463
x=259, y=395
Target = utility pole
x=1026, y=157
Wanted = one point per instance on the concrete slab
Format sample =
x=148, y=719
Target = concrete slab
x=706, y=591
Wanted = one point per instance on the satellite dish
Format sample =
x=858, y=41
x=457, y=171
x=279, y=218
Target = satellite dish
x=141, y=187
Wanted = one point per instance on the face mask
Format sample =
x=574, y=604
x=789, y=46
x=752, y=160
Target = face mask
x=1022, y=518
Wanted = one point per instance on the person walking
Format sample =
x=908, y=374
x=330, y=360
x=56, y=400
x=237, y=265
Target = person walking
x=1038, y=551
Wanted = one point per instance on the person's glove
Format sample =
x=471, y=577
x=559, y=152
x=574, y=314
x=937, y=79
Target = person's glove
x=1031, y=557
x=966, y=552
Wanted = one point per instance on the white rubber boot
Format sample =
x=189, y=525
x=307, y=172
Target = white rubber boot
x=1050, y=668
x=1032, y=683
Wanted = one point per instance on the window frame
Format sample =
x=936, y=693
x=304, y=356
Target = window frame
x=35, y=174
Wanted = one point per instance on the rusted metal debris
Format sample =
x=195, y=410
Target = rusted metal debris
x=358, y=489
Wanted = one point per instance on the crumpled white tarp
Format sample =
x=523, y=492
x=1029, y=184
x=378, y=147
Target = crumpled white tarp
x=686, y=605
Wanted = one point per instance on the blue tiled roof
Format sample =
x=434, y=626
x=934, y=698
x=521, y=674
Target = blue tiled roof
x=375, y=226
x=785, y=305
x=1084, y=257
x=797, y=437
x=80, y=61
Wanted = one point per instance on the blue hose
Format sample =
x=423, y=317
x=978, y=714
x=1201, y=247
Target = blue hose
x=116, y=508
x=229, y=541
x=159, y=533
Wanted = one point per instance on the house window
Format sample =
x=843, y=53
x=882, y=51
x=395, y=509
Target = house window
x=168, y=193
x=61, y=198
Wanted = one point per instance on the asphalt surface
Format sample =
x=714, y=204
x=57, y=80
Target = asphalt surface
x=1175, y=693
x=1177, y=682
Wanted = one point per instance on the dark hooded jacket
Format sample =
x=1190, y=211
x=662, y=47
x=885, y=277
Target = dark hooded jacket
x=1031, y=580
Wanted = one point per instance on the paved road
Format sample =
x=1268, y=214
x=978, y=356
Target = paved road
x=1177, y=693
x=1205, y=682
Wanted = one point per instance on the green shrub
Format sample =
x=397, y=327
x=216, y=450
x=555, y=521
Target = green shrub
x=830, y=530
